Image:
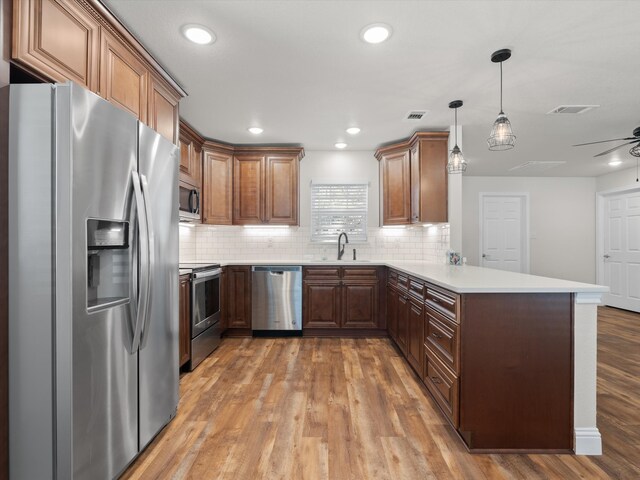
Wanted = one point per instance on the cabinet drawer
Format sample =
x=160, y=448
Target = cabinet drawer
x=321, y=272
x=417, y=288
x=442, y=337
x=444, y=302
x=369, y=273
x=403, y=282
x=392, y=279
x=443, y=385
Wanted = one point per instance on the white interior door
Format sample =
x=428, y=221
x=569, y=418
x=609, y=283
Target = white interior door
x=502, y=240
x=621, y=246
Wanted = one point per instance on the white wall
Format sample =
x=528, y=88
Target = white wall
x=562, y=222
x=339, y=166
x=621, y=178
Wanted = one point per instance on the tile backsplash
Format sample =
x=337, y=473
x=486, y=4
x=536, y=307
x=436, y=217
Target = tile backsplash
x=204, y=243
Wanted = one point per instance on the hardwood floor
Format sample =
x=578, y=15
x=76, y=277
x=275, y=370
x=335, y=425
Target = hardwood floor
x=306, y=408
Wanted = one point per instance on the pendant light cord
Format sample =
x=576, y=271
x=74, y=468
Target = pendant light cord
x=636, y=169
x=501, y=88
x=455, y=110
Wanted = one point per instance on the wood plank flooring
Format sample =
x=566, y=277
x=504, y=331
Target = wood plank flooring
x=305, y=408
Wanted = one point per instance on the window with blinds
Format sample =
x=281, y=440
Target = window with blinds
x=337, y=208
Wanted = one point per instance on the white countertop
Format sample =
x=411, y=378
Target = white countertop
x=460, y=279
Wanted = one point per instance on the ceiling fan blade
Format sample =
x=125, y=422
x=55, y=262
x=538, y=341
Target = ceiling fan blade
x=616, y=148
x=605, y=141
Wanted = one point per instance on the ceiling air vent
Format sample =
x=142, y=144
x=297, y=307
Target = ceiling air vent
x=537, y=165
x=415, y=115
x=573, y=109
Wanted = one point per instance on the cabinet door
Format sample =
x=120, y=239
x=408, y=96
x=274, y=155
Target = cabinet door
x=415, y=339
x=224, y=301
x=163, y=110
x=396, y=189
x=403, y=322
x=239, y=296
x=360, y=304
x=414, y=174
x=123, y=77
x=248, y=190
x=216, y=188
x=186, y=146
x=184, y=328
x=58, y=40
x=281, y=190
x=392, y=313
x=433, y=180
x=321, y=304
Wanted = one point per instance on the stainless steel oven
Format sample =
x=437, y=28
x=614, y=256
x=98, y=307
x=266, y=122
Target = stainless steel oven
x=189, y=203
x=205, y=311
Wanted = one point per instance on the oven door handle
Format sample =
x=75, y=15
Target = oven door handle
x=207, y=275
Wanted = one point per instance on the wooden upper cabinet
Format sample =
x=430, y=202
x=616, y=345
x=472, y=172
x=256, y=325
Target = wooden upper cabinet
x=396, y=189
x=57, y=40
x=281, y=190
x=124, y=78
x=248, y=189
x=190, y=156
x=217, y=202
x=413, y=178
x=163, y=110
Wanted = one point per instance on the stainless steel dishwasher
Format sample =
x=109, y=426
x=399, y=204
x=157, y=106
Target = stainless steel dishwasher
x=276, y=300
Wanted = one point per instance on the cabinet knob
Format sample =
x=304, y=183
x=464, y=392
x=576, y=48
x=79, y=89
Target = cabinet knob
x=436, y=380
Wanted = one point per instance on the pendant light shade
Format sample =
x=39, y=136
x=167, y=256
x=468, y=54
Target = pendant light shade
x=457, y=163
x=502, y=137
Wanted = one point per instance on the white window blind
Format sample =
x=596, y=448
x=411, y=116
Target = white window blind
x=337, y=208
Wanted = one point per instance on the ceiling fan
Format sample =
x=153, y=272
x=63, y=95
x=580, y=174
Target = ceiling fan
x=635, y=150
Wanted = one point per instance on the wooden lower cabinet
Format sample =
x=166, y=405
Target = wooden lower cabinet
x=239, y=297
x=321, y=304
x=346, y=298
x=415, y=330
x=184, y=320
x=403, y=322
x=392, y=312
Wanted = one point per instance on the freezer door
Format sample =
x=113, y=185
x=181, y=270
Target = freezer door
x=103, y=145
x=158, y=355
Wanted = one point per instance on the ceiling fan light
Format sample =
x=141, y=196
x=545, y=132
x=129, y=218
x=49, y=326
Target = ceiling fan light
x=457, y=163
x=502, y=137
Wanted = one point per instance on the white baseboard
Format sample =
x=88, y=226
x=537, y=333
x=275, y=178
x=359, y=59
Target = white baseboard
x=588, y=441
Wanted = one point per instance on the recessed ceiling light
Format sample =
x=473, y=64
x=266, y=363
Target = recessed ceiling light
x=341, y=145
x=615, y=163
x=375, y=33
x=353, y=130
x=198, y=34
x=255, y=130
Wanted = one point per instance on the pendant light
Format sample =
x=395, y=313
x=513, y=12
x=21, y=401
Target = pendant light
x=502, y=137
x=457, y=163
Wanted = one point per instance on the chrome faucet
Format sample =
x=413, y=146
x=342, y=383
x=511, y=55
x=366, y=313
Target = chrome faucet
x=341, y=250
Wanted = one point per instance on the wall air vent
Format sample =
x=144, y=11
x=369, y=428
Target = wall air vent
x=573, y=109
x=415, y=115
x=537, y=165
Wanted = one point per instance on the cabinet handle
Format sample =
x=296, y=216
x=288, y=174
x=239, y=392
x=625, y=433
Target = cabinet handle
x=436, y=380
x=435, y=300
x=436, y=335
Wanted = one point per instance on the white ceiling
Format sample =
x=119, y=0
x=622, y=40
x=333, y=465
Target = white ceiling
x=299, y=70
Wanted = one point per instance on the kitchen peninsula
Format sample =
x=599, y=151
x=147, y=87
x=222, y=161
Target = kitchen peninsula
x=510, y=358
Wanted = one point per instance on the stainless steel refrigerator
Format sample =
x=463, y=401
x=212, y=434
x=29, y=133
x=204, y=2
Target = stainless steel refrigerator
x=93, y=294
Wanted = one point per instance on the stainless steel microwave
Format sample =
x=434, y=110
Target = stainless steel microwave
x=189, y=204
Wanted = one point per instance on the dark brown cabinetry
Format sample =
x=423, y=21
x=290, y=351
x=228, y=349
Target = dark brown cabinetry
x=415, y=330
x=413, y=179
x=217, y=201
x=184, y=320
x=81, y=41
x=265, y=188
x=345, y=298
x=238, y=303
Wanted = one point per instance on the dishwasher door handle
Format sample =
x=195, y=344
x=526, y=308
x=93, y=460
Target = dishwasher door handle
x=280, y=272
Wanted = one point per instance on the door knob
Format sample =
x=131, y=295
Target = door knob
x=484, y=255
x=606, y=256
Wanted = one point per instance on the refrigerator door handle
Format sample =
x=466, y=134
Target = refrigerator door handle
x=143, y=296
x=152, y=260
